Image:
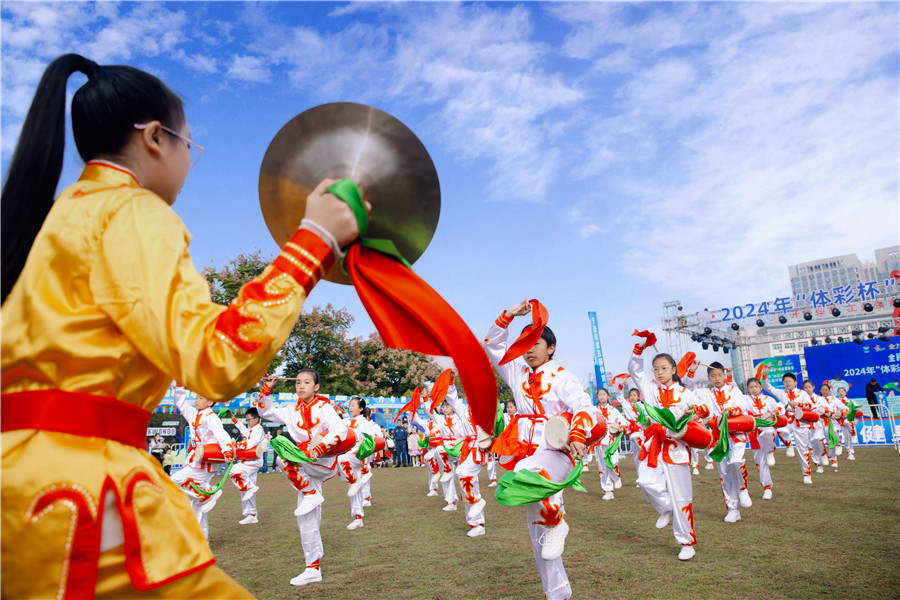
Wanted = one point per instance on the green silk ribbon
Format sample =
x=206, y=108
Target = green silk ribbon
x=521, y=488
x=642, y=418
x=348, y=191
x=764, y=423
x=833, y=439
x=224, y=412
x=723, y=446
x=664, y=417
x=456, y=450
x=853, y=406
x=499, y=421
x=611, y=451
x=423, y=443
x=366, y=447
x=218, y=487
x=288, y=450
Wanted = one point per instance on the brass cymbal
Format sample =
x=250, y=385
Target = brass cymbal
x=345, y=139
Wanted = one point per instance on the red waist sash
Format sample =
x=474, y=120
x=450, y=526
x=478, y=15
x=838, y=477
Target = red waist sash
x=75, y=413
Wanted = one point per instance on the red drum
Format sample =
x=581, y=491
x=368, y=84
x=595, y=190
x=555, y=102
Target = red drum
x=211, y=453
x=435, y=441
x=741, y=424
x=558, y=428
x=346, y=445
x=697, y=436
x=379, y=443
x=780, y=421
x=807, y=416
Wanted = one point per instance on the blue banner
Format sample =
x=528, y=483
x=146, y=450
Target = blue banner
x=778, y=366
x=857, y=364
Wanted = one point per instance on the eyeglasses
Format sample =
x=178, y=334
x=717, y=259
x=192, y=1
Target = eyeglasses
x=195, y=149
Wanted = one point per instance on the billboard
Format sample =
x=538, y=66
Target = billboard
x=778, y=366
x=856, y=364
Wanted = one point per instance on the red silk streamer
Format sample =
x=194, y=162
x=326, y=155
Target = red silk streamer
x=413, y=405
x=440, y=388
x=531, y=334
x=408, y=313
x=685, y=363
x=649, y=338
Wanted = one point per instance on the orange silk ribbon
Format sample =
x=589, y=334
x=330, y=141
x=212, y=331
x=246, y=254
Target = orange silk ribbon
x=531, y=334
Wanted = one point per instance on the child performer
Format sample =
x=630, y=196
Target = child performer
x=243, y=474
x=471, y=460
x=634, y=429
x=351, y=466
x=848, y=426
x=102, y=308
x=722, y=401
x=435, y=447
x=542, y=389
x=834, y=410
x=664, y=473
x=452, y=434
x=762, y=440
x=206, y=428
x=365, y=470
x=609, y=478
x=792, y=398
x=313, y=423
x=817, y=435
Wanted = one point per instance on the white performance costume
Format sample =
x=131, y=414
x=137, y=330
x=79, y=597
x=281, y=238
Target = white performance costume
x=303, y=422
x=351, y=468
x=206, y=428
x=539, y=394
x=800, y=430
x=243, y=473
x=609, y=477
x=762, y=440
x=664, y=472
x=471, y=460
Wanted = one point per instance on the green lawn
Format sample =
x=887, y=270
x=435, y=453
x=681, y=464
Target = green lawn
x=837, y=539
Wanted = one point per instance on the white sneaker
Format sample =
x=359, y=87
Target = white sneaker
x=687, y=553
x=607, y=496
x=745, y=500
x=208, y=505
x=839, y=450
x=306, y=505
x=355, y=524
x=248, y=495
x=696, y=471
x=432, y=493
x=306, y=577
x=366, y=477
x=367, y=503
x=493, y=483
x=790, y=451
x=708, y=467
x=446, y=476
x=617, y=484
x=663, y=519
x=767, y=494
x=474, y=509
x=733, y=516
x=820, y=469
x=584, y=468
x=476, y=531
x=248, y=520
x=770, y=459
x=835, y=467
x=807, y=479
x=850, y=456
x=451, y=506
x=354, y=488
x=554, y=541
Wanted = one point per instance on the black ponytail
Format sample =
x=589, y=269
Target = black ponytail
x=104, y=111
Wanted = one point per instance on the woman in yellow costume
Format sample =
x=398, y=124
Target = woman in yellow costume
x=102, y=308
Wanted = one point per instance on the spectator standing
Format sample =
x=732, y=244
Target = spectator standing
x=157, y=448
x=412, y=446
x=872, y=389
x=168, y=461
x=401, y=453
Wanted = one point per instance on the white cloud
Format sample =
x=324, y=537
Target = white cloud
x=248, y=68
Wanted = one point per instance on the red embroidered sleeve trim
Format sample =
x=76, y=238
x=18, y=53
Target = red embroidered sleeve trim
x=638, y=349
x=503, y=321
x=320, y=449
x=577, y=435
x=306, y=257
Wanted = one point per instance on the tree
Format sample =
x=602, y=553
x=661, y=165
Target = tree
x=387, y=371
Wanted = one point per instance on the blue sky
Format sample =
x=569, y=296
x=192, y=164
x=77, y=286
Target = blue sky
x=596, y=156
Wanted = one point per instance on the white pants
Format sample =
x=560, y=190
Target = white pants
x=201, y=478
x=668, y=488
x=847, y=430
x=548, y=512
x=801, y=442
x=492, y=468
x=730, y=474
x=766, y=439
x=434, y=468
x=350, y=469
x=365, y=469
x=448, y=465
x=467, y=473
x=785, y=434
x=243, y=477
x=608, y=477
x=307, y=478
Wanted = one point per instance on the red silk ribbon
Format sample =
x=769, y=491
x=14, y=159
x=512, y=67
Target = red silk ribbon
x=531, y=334
x=440, y=388
x=412, y=406
x=408, y=313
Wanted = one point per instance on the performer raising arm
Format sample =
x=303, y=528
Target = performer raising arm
x=104, y=312
x=243, y=474
x=542, y=389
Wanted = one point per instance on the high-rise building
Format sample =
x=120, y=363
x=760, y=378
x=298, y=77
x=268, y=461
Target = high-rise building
x=839, y=272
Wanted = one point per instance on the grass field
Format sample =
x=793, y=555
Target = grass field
x=837, y=539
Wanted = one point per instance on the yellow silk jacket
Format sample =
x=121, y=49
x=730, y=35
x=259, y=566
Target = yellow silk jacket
x=109, y=304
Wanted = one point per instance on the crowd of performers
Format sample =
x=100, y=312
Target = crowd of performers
x=545, y=430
